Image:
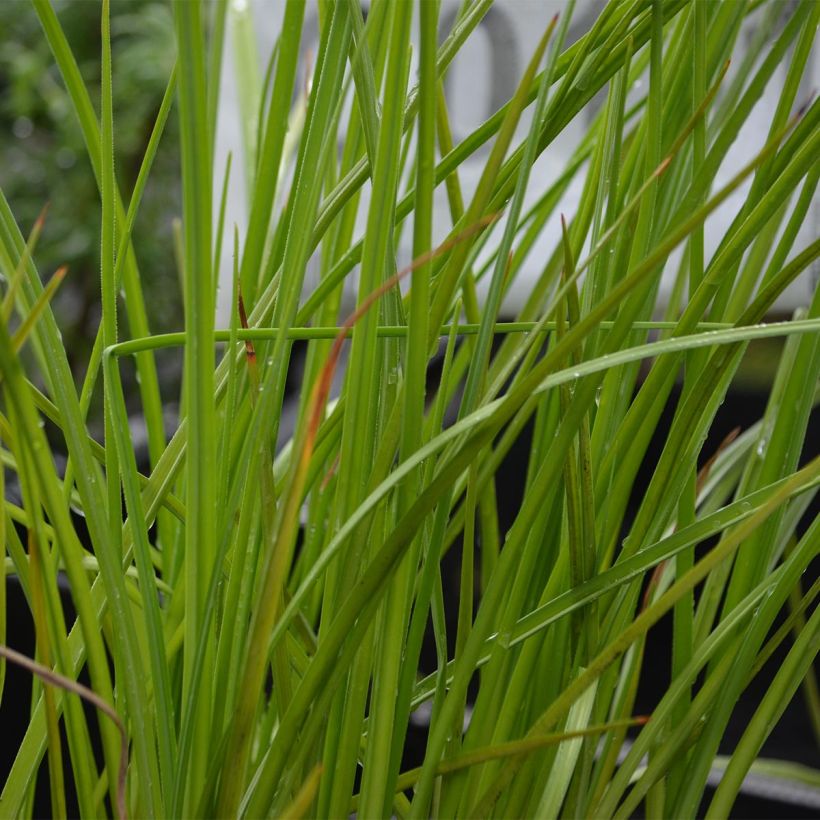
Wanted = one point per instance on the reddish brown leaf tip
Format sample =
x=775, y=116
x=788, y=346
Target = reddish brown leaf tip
x=243, y=316
x=41, y=218
x=250, y=351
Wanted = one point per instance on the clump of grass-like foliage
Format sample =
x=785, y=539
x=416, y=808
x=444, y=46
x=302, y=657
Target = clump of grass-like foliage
x=251, y=620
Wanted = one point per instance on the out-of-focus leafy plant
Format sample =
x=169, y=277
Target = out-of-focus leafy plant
x=44, y=157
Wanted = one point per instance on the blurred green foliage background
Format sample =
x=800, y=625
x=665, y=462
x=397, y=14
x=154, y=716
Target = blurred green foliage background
x=43, y=158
